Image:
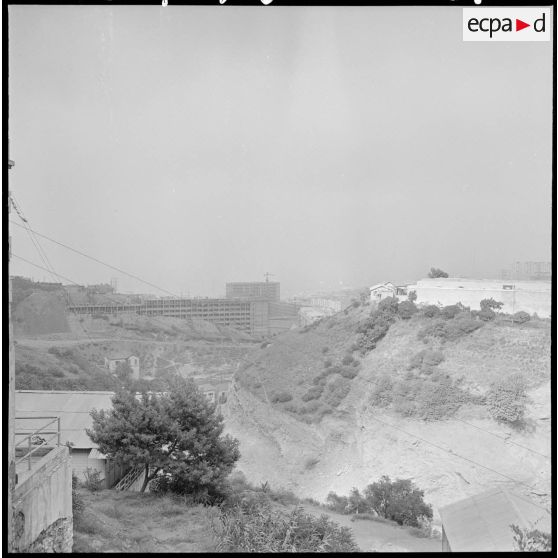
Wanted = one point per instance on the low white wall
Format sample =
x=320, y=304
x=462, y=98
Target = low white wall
x=42, y=497
x=532, y=297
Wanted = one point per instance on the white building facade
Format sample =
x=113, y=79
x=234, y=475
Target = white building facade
x=527, y=296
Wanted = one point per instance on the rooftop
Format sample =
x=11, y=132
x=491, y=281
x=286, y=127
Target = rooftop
x=482, y=522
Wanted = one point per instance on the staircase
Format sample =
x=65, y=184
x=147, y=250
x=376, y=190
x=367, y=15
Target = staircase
x=132, y=480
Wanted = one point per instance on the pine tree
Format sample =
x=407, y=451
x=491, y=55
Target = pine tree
x=176, y=433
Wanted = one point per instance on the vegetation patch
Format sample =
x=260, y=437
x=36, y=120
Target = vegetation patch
x=399, y=500
x=258, y=527
x=507, y=400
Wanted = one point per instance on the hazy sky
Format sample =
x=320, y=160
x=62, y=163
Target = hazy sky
x=329, y=146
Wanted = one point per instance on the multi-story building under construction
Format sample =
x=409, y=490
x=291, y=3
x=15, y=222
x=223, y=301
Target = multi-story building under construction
x=258, y=316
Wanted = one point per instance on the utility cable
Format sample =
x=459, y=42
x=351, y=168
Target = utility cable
x=99, y=261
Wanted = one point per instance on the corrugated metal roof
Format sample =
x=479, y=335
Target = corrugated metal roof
x=482, y=522
x=73, y=408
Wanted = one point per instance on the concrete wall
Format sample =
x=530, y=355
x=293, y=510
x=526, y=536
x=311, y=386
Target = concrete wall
x=528, y=296
x=42, y=505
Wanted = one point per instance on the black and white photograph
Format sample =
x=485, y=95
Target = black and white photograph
x=278, y=277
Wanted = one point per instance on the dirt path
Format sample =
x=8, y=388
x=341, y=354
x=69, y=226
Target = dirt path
x=380, y=537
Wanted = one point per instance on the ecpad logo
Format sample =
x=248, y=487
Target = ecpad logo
x=506, y=24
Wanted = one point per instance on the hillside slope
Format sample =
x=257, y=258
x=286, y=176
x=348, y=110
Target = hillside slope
x=313, y=448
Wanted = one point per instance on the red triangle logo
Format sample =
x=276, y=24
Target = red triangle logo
x=519, y=25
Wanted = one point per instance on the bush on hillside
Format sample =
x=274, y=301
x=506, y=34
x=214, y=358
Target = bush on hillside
x=520, y=317
x=490, y=304
x=399, y=500
x=347, y=359
x=327, y=363
x=430, y=311
x=450, y=330
x=382, y=395
x=531, y=540
x=406, y=309
x=434, y=273
x=507, y=399
x=449, y=312
x=313, y=393
x=356, y=502
x=337, y=503
x=281, y=397
x=337, y=391
x=349, y=373
x=426, y=359
x=259, y=528
x=486, y=315
x=435, y=397
x=388, y=305
x=376, y=326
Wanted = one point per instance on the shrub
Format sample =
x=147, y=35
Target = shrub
x=356, y=362
x=347, y=359
x=382, y=394
x=406, y=309
x=388, y=305
x=337, y=503
x=533, y=540
x=486, y=314
x=259, y=528
x=490, y=304
x=327, y=363
x=355, y=304
x=520, y=317
x=337, y=391
x=356, y=503
x=349, y=373
x=399, y=500
x=376, y=326
x=325, y=350
x=435, y=273
x=449, y=312
x=78, y=504
x=452, y=329
x=430, y=311
x=313, y=393
x=93, y=481
x=281, y=397
x=507, y=399
x=425, y=359
x=432, y=398
x=412, y=296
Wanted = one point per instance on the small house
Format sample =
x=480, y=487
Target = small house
x=382, y=290
x=482, y=523
x=112, y=363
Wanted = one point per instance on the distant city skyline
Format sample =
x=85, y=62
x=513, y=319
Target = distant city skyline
x=333, y=146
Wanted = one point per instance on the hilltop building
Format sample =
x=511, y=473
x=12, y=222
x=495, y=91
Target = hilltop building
x=482, y=522
x=528, y=296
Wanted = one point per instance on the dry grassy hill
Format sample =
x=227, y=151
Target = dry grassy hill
x=412, y=407
x=59, y=350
